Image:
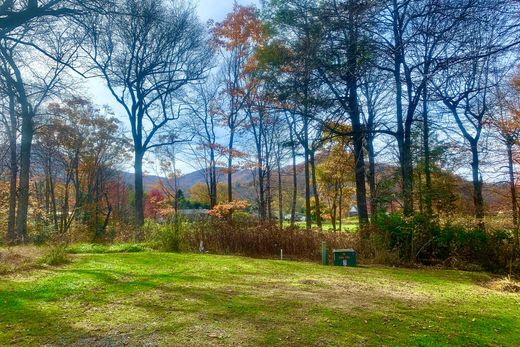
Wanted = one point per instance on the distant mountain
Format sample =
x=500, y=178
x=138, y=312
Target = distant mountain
x=189, y=180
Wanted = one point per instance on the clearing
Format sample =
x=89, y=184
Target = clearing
x=165, y=299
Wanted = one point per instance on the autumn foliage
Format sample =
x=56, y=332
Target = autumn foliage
x=224, y=211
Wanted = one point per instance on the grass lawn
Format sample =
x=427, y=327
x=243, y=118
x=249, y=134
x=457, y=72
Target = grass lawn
x=350, y=224
x=153, y=298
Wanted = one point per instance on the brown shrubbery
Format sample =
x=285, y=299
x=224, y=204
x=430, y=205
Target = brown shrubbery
x=246, y=236
x=392, y=240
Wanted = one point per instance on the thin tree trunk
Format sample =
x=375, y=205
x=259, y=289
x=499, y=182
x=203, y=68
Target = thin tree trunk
x=317, y=207
x=308, y=222
x=512, y=185
x=372, y=177
x=334, y=208
x=261, y=182
x=212, y=179
x=427, y=158
x=25, y=167
x=280, y=196
x=295, y=182
x=268, y=193
x=408, y=173
x=13, y=169
x=340, y=208
x=52, y=194
x=230, y=166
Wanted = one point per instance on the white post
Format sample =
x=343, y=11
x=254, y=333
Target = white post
x=281, y=254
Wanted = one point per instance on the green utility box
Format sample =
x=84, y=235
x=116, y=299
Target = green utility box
x=344, y=257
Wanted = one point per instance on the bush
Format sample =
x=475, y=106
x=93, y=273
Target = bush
x=167, y=237
x=56, y=255
x=250, y=237
x=425, y=240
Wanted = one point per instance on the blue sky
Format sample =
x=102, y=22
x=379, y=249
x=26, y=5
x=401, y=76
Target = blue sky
x=217, y=9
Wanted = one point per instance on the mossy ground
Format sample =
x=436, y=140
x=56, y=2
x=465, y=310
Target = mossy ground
x=152, y=298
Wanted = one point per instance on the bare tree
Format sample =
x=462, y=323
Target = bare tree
x=147, y=53
x=203, y=122
x=465, y=87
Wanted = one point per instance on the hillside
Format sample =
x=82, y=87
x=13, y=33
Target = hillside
x=190, y=179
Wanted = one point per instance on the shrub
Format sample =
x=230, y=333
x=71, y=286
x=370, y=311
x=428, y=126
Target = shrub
x=56, y=255
x=425, y=240
x=168, y=237
x=250, y=237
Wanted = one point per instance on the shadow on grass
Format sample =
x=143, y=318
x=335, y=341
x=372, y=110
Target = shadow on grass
x=148, y=300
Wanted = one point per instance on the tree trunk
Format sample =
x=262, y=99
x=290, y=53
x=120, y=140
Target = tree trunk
x=261, y=181
x=334, y=208
x=512, y=185
x=268, y=193
x=317, y=207
x=52, y=194
x=408, y=173
x=340, y=209
x=139, y=194
x=295, y=182
x=427, y=159
x=372, y=177
x=13, y=170
x=308, y=222
x=280, y=196
x=230, y=166
x=478, y=200
x=25, y=167
x=355, y=116
x=212, y=180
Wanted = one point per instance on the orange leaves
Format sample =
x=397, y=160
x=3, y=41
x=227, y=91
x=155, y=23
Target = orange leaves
x=242, y=33
x=224, y=211
x=240, y=30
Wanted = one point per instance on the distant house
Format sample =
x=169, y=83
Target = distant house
x=298, y=217
x=353, y=212
x=193, y=214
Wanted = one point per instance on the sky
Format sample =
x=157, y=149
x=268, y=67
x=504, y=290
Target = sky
x=207, y=9
x=217, y=9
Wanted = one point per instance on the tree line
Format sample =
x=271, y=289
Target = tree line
x=343, y=91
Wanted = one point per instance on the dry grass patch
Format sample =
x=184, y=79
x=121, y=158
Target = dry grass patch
x=20, y=258
x=505, y=284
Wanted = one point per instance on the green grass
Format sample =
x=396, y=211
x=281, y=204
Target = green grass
x=350, y=224
x=152, y=298
x=83, y=248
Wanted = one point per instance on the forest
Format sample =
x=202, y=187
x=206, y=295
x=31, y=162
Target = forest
x=154, y=162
